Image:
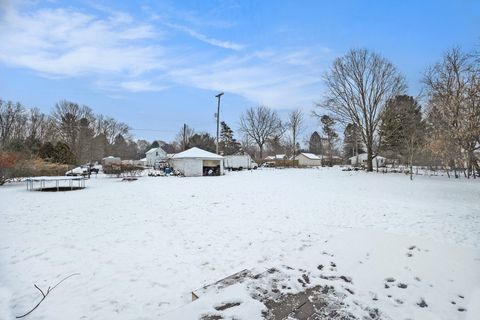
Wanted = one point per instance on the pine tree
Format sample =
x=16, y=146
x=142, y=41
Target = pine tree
x=402, y=128
x=228, y=144
x=352, y=141
x=315, y=144
x=330, y=134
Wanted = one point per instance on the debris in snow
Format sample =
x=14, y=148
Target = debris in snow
x=422, y=303
x=227, y=305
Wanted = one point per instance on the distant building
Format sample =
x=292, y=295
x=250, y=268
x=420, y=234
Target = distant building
x=306, y=159
x=361, y=160
x=154, y=156
x=111, y=160
x=196, y=162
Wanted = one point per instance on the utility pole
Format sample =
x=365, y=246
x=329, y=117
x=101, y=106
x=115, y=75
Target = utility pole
x=184, y=147
x=218, y=115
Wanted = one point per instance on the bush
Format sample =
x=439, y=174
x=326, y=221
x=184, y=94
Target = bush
x=38, y=167
x=8, y=161
x=124, y=170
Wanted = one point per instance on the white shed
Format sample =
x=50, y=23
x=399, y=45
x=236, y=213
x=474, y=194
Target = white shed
x=111, y=160
x=308, y=159
x=155, y=155
x=196, y=162
x=361, y=160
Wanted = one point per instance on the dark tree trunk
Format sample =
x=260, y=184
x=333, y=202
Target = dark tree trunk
x=369, y=159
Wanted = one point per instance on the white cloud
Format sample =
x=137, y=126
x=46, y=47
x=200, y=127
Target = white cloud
x=141, y=86
x=274, y=79
x=122, y=54
x=61, y=42
x=206, y=39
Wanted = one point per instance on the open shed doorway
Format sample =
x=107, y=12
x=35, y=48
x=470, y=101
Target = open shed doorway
x=211, y=167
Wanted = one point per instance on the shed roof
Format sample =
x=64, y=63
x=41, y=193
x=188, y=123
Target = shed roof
x=197, y=153
x=311, y=156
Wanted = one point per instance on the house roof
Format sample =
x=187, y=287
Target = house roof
x=153, y=150
x=311, y=156
x=197, y=153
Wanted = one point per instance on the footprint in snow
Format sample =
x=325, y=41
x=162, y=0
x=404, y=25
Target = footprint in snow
x=402, y=285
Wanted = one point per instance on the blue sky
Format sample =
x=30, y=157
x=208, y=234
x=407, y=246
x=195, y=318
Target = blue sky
x=158, y=64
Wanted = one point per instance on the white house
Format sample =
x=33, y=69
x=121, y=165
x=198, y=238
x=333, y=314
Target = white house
x=308, y=159
x=155, y=155
x=196, y=162
x=361, y=160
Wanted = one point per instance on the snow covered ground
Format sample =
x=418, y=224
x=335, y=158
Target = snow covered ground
x=141, y=247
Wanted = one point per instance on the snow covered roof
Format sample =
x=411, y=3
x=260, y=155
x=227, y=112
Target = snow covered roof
x=198, y=154
x=311, y=156
x=143, y=159
x=153, y=150
x=363, y=156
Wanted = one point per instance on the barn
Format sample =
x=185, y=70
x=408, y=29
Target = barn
x=196, y=162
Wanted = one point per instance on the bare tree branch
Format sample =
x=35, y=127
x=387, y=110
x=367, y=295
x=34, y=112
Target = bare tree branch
x=44, y=295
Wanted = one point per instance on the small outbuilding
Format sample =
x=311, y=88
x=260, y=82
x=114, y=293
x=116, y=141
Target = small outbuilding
x=306, y=159
x=196, y=162
x=361, y=160
x=154, y=156
x=111, y=160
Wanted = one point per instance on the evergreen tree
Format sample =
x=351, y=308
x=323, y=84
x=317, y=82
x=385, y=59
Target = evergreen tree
x=315, y=144
x=401, y=127
x=47, y=151
x=330, y=135
x=63, y=154
x=352, y=141
x=228, y=144
x=203, y=141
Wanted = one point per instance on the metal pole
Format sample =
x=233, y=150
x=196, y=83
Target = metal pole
x=218, y=117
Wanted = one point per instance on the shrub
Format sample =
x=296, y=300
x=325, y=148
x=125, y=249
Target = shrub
x=122, y=169
x=8, y=161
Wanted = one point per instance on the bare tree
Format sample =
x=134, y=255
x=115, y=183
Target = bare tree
x=12, y=120
x=295, y=125
x=68, y=120
x=183, y=137
x=358, y=86
x=261, y=123
x=453, y=88
x=39, y=125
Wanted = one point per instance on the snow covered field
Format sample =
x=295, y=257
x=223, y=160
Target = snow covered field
x=141, y=247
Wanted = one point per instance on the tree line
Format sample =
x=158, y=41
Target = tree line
x=365, y=95
x=70, y=134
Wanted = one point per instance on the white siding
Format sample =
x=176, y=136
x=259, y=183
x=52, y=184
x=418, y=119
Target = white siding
x=155, y=155
x=189, y=167
x=304, y=161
